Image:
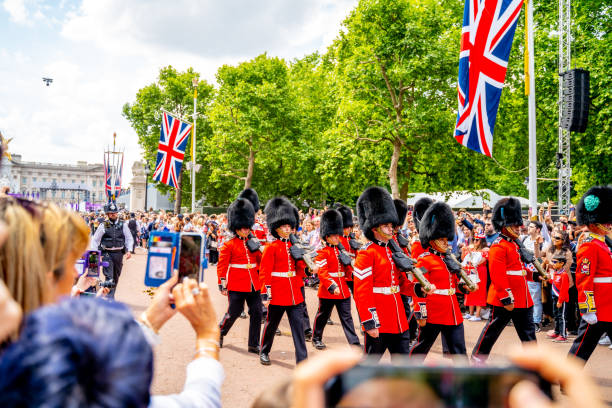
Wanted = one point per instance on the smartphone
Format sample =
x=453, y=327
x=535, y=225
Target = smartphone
x=93, y=264
x=190, y=256
x=411, y=384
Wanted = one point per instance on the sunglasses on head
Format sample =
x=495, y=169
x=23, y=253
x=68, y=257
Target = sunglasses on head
x=34, y=208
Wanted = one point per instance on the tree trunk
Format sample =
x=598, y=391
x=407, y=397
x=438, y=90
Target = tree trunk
x=397, y=149
x=249, y=176
x=179, y=194
x=404, y=191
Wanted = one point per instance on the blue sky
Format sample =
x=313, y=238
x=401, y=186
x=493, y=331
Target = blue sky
x=100, y=52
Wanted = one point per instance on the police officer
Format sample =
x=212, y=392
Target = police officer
x=113, y=238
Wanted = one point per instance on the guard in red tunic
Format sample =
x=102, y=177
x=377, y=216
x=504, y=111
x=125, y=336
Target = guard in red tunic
x=283, y=279
x=439, y=312
x=508, y=294
x=401, y=208
x=333, y=290
x=378, y=281
x=594, y=270
x=348, y=241
x=421, y=205
x=238, y=273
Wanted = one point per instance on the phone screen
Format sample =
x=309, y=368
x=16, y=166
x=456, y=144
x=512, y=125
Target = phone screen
x=189, y=256
x=93, y=261
x=386, y=386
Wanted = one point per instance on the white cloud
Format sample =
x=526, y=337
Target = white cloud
x=17, y=10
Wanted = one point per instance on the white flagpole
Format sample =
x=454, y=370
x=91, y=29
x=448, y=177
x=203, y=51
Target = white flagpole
x=193, y=144
x=533, y=170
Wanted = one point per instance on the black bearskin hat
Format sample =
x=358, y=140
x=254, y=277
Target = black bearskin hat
x=279, y=211
x=331, y=223
x=252, y=196
x=240, y=214
x=347, y=215
x=507, y=212
x=595, y=206
x=401, y=208
x=437, y=222
x=421, y=205
x=296, y=214
x=375, y=207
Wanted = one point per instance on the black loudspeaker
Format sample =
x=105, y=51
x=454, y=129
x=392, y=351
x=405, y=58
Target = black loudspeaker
x=575, y=101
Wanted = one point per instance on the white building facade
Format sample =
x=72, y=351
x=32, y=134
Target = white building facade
x=59, y=183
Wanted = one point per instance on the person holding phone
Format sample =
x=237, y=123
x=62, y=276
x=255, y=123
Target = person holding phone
x=378, y=282
x=594, y=270
x=439, y=312
x=283, y=279
x=333, y=290
x=508, y=294
x=238, y=273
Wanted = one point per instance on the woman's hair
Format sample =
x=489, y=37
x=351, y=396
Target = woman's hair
x=79, y=352
x=21, y=256
x=566, y=244
x=480, y=243
x=64, y=233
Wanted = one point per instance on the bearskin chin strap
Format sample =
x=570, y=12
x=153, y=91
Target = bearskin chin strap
x=510, y=232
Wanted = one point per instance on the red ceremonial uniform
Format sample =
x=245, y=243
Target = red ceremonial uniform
x=508, y=275
x=282, y=276
x=417, y=249
x=332, y=274
x=442, y=306
x=344, y=240
x=378, y=284
x=594, y=277
x=238, y=266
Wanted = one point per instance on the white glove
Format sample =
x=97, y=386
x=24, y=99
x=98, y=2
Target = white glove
x=590, y=318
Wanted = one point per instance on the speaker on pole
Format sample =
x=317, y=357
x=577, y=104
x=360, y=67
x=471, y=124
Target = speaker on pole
x=576, y=100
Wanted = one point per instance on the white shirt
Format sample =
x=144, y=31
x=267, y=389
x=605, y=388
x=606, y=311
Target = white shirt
x=202, y=388
x=97, y=237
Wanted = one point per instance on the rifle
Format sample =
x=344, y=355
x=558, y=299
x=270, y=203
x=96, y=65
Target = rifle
x=345, y=258
x=455, y=267
x=406, y=264
x=528, y=256
x=302, y=252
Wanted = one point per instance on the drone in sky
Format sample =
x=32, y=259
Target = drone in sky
x=47, y=81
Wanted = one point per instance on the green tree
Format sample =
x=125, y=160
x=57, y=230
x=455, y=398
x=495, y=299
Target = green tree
x=173, y=92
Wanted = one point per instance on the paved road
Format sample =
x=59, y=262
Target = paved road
x=246, y=377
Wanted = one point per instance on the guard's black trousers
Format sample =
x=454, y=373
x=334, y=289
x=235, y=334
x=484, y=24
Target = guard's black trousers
x=588, y=336
x=452, y=335
x=343, y=307
x=235, y=308
x=396, y=343
x=113, y=270
x=295, y=314
x=522, y=318
x=305, y=316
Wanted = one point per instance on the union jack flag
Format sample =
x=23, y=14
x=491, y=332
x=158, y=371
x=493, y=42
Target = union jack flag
x=486, y=40
x=107, y=177
x=171, y=150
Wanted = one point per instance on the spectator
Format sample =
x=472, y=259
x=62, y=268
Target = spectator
x=475, y=263
x=100, y=356
x=490, y=233
x=560, y=296
x=212, y=242
x=533, y=241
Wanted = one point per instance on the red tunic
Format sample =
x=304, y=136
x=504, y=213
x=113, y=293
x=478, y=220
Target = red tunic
x=332, y=274
x=238, y=266
x=417, y=249
x=479, y=297
x=282, y=278
x=594, y=277
x=442, y=305
x=378, y=284
x=508, y=276
x=344, y=240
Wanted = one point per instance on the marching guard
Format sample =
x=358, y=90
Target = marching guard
x=333, y=289
x=594, y=270
x=439, y=312
x=348, y=241
x=508, y=294
x=378, y=281
x=238, y=272
x=283, y=280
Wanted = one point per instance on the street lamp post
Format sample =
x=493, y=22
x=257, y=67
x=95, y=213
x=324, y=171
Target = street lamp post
x=194, y=82
x=147, y=170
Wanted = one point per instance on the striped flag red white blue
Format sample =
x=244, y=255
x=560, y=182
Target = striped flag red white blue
x=173, y=140
x=486, y=40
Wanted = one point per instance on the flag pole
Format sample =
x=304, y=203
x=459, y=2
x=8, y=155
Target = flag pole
x=530, y=91
x=193, y=144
